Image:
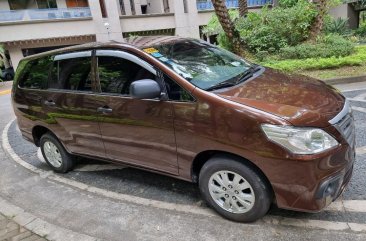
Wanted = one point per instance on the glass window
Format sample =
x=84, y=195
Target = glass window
x=18, y=4
x=72, y=74
x=117, y=74
x=175, y=91
x=36, y=73
x=202, y=64
x=42, y=4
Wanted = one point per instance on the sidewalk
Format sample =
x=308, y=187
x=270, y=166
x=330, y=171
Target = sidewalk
x=11, y=231
x=5, y=87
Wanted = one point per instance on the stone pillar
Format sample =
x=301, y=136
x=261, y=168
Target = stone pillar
x=61, y=4
x=4, y=5
x=114, y=30
x=353, y=17
x=186, y=23
x=138, y=7
x=127, y=5
x=16, y=55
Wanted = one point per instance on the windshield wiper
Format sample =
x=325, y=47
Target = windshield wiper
x=221, y=85
x=248, y=73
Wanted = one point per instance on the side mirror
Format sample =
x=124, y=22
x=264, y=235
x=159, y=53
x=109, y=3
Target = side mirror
x=145, y=89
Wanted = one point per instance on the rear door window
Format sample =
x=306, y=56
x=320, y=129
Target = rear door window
x=36, y=73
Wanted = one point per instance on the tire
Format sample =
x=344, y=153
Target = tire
x=55, y=154
x=251, y=202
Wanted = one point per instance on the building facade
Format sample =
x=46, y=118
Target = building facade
x=32, y=26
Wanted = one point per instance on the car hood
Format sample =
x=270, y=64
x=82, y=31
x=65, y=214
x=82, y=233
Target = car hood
x=301, y=100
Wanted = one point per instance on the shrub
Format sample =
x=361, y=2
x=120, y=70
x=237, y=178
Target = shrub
x=271, y=30
x=359, y=58
x=361, y=31
x=287, y=3
x=328, y=46
x=338, y=26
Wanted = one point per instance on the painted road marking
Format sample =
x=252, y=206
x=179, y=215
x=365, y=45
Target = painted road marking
x=346, y=205
x=360, y=109
x=5, y=92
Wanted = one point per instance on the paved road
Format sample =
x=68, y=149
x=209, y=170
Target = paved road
x=106, y=218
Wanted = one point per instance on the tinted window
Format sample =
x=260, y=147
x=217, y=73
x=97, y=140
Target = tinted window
x=175, y=91
x=117, y=74
x=72, y=74
x=36, y=73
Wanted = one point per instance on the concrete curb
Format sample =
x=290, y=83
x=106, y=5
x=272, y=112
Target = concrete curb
x=346, y=80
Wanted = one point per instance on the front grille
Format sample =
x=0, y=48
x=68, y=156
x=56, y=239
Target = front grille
x=346, y=125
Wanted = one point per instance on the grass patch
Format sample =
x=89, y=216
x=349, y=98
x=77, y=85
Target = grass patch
x=342, y=72
x=296, y=65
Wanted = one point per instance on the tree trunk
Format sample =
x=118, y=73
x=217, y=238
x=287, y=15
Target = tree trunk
x=243, y=8
x=318, y=24
x=228, y=27
x=3, y=58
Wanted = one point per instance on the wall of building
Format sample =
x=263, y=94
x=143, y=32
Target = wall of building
x=155, y=6
x=46, y=29
x=4, y=5
x=142, y=23
x=61, y=3
x=346, y=11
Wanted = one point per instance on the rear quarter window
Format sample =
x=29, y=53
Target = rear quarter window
x=35, y=73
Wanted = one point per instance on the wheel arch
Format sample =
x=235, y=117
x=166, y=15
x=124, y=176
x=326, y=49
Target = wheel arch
x=37, y=132
x=205, y=156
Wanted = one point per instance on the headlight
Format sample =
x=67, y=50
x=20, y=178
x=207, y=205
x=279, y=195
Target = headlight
x=300, y=140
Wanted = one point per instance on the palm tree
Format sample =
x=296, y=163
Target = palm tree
x=243, y=8
x=228, y=26
x=318, y=24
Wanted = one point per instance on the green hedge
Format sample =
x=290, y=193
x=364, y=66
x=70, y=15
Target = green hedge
x=327, y=46
x=358, y=58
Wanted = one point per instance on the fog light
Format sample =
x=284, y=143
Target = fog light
x=329, y=187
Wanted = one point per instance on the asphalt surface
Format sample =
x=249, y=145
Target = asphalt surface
x=112, y=220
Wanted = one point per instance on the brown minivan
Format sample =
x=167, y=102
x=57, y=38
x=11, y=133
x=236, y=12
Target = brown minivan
x=248, y=135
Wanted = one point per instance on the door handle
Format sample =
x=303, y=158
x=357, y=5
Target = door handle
x=104, y=110
x=49, y=103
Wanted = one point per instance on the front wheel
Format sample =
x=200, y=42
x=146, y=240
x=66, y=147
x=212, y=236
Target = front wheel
x=55, y=154
x=234, y=190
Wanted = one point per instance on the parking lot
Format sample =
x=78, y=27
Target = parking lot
x=105, y=201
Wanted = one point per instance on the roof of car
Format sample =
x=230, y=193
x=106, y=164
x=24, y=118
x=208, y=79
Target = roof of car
x=137, y=42
x=148, y=41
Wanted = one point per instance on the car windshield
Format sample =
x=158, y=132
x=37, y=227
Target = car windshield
x=202, y=64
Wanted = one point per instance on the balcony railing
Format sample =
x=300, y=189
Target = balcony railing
x=43, y=14
x=207, y=5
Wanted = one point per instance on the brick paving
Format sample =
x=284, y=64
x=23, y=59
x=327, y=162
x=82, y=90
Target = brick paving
x=10, y=231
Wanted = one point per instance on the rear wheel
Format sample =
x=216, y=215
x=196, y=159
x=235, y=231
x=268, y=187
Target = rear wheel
x=55, y=154
x=234, y=190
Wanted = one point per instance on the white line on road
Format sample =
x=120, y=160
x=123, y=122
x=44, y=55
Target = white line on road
x=360, y=109
x=349, y=205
